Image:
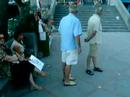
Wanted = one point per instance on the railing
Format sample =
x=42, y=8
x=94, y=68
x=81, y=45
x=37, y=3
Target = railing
x=123, y=12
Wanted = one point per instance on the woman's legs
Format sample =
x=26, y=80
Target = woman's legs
x=33, y=84
x=41, y=73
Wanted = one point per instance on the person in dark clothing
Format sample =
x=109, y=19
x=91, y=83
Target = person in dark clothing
x=43, y=36
x=84, y=2
x=4, y=18
x=104, y=1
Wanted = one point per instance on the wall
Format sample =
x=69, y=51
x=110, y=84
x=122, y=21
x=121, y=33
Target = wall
x=123, y=12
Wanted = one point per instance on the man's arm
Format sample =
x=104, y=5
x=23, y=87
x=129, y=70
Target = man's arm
x=90, y=37
x=78, y=43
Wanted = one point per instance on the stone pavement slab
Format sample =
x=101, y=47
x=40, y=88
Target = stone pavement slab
x=3, y=83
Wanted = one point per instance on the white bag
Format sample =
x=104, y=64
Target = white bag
x=41, y=31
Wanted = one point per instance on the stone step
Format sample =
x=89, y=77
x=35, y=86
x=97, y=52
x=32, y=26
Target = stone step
x=116, y=30
x=109, y=17
x=85, y=10
x=105, y=27
x=111, y=23
x=104, y=19
x=111, y=30
x=86, y=14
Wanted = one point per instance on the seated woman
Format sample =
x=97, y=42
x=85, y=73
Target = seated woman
x=22, y=70
x=4, y=58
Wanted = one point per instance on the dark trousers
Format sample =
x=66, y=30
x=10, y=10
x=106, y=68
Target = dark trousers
x=20, y=74
x=84, y=1
x=44, y=47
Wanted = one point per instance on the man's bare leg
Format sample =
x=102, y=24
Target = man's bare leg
x=67, y=71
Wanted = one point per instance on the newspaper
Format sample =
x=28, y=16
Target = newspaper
x=36, y=62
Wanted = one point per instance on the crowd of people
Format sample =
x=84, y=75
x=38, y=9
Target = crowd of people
x=14, y=59
x=21, y=71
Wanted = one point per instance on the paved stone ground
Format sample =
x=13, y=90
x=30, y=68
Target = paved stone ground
x=113, y=82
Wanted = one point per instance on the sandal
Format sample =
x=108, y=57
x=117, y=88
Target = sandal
x=70, y=78
x=98, y=69
x=70, y=83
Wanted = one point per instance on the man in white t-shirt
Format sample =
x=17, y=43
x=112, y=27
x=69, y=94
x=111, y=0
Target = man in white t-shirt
x=94, y=38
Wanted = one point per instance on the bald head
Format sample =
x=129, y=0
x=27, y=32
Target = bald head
x=73, y=8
